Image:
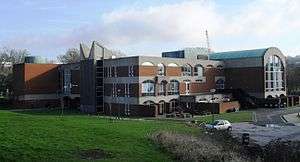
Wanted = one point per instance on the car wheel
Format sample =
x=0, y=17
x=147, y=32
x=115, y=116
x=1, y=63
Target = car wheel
x=229, y=128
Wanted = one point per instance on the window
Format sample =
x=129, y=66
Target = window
x=198, y=71
x=209, y=66
x=148, y=88
x=173, y=87
x=127, y=109
x=162, y=88
x=109, y=71
x=114, y=90
x=161, y=69
x=127, y=90
x=172, y=65
x=186, y=70
x=115, y=72
x=130, y=71
x=274, y=72
x=220, y=84
x=147, y=64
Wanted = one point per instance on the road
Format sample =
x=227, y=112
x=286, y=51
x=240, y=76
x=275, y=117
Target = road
x=269, y=126
x=274, y=116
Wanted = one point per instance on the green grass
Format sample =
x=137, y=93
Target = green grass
x=234, y=117
x=38, y=136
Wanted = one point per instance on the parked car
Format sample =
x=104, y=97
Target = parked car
x=219, y=125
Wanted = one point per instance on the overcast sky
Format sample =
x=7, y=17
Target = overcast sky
x=148, y=27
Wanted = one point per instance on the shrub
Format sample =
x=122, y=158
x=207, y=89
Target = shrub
x=190, y=148
x=282, y=151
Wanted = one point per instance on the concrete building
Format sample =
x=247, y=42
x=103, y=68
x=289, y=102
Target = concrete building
x=260, y=72
x=157, y=86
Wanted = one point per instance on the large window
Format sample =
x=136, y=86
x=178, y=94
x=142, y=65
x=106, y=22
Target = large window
x=220, y=84
x=148, y=88
x=174, y=87
x=274, y=74
x=198, y=70
x=161, y=70
x=186, y=70
x=162, y=88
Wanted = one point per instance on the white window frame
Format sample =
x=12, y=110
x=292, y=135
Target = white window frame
x=131, y=70
x=127, y=109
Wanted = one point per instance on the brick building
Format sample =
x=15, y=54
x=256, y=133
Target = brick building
x=152, y=86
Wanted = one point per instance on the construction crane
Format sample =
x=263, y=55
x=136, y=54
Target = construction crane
x=207, y=43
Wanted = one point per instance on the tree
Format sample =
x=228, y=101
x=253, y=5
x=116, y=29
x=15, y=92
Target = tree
x=71, y=56
x=9, y=57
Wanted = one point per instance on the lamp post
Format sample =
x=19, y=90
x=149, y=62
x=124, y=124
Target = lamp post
x=212, y=100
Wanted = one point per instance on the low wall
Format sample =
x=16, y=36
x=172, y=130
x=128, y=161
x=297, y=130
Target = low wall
x=229, y=106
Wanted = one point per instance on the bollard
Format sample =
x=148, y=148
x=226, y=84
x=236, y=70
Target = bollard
x=245, y=139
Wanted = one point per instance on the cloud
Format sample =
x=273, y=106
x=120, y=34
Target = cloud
x=251, y=25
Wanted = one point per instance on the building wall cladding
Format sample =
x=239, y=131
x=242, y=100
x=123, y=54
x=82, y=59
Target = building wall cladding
x=75, y=81
x=250, y=79
x=18, y=79
x=87, y=86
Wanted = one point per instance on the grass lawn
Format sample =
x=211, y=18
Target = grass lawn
x=234, y=117
x=48, y=137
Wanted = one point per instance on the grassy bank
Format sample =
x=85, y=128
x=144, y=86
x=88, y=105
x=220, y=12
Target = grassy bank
x=74, y=137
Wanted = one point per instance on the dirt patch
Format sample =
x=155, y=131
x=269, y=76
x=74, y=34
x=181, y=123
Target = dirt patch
x=94, y=154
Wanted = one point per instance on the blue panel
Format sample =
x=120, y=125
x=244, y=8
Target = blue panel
x=173, y=54
x=238, y=54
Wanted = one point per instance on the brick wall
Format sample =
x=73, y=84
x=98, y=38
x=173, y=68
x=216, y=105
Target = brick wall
x=35, y=79
x=227, y=106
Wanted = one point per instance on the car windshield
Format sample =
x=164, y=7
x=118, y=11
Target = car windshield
x=215, y=122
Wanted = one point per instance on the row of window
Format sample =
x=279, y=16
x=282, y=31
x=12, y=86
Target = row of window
x=115, y=92
x=111, y=71
x=148, y=88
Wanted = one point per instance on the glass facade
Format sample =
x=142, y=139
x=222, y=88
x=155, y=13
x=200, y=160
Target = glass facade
x=274, y=74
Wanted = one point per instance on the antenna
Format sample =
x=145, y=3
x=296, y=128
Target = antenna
x=207, y=43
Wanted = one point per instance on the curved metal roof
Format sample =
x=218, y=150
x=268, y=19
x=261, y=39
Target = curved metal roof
x=238, y=54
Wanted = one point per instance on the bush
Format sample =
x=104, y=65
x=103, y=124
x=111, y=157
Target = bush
x=282, y=151
x=190, y=148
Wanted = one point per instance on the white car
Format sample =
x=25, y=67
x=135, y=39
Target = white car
x=219, y=125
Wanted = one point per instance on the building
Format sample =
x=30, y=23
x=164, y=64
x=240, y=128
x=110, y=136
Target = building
x=181, y=81
x=260, y=73
x=36, y=85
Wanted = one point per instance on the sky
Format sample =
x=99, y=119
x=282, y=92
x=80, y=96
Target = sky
x=148, y=27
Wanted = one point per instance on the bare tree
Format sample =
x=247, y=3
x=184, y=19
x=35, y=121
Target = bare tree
x=71, y=56
x=9, y=57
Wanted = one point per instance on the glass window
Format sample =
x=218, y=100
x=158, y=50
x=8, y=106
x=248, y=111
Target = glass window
x=186, y=70
x=162, y=88
x=174, y=87
x=220, y=84
x=198, y=70
x=274, y=74
x=148, y=88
